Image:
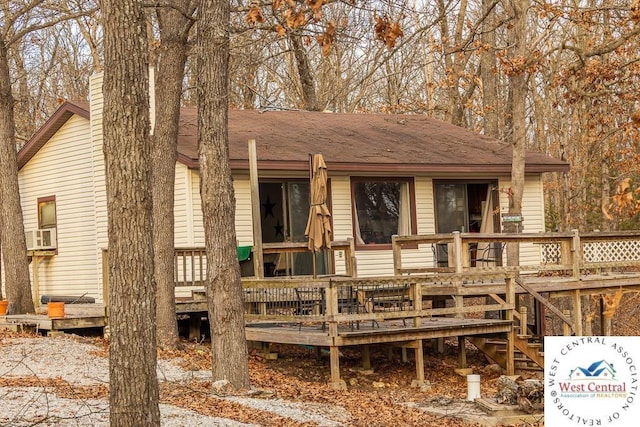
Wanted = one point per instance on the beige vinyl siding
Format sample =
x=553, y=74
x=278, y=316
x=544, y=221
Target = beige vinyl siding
x=341, y=216
x=244, y=217
x=243, y=220
x=198, y=224
x=425, y=218
x=532, y=214
x=64, y=168
x=182, y=210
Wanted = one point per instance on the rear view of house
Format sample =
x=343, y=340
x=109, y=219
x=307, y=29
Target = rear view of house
x=388, y=175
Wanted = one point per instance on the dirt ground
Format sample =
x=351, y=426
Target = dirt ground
x=297, y=381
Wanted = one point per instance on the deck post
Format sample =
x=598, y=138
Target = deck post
x=350, y=263
x=366, y=358
x=576, y=255
x=336, y=383
x=397, y=256
x=577, y=312
x=511, y=335
x=457, y=251
x=462, y=352
x=524, y=325
x=419, y=353
x=256, y=216
x=35, y=265
x=416, y=296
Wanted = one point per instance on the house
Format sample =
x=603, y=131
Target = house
x=388, y=175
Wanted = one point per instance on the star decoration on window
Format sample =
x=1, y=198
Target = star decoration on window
x=279, y=229
x=268, y=206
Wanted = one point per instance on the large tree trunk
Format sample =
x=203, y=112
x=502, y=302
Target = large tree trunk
x=224, y=289
x=172, y=56
x=133, y=387
x=14, y=247
x=488, y=73
x=518, y=91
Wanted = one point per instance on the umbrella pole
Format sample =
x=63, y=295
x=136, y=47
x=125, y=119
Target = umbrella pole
x=313, y=257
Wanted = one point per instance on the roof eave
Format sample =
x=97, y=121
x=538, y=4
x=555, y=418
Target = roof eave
x=51, y=126
x=240, y=164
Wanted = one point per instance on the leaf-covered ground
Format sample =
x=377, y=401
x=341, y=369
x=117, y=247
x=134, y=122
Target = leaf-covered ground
x=382, y=396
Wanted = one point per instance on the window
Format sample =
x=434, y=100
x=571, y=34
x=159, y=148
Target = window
x=47, y=212
x=382, y=207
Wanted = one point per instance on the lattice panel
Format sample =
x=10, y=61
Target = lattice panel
x=622, y=250
x=550, y=253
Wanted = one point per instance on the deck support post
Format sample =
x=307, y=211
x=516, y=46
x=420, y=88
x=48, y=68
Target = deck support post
x=336, y=383
x=577, y=312
x=195, y=321
x=419, y=353
x=366, y=358
x=462, y=352
x=511, y=335
x=403, y=352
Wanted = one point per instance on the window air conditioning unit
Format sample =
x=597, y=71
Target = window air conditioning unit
x=41, y=239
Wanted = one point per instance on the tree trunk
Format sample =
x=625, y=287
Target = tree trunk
x=14, y=247
x=488, y=73
x=518, y=89
x=133, y=386
x=224, y=289
x=307, y=81
x=174, y=32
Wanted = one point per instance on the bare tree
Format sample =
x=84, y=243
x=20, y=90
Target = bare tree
x=133, y=391
x=174, y=23
x=518, y=95
x=14, y=247
x=224, y=289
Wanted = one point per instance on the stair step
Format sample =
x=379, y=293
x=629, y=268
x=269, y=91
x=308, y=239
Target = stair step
x=535, y=345
x=529, y=368
x=199, y=295
x=524, y=336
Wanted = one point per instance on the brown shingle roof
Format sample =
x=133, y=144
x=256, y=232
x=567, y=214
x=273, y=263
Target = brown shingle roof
x=349, y=142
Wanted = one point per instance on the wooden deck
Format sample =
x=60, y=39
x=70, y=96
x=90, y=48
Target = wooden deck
x=77, y=316
x=366, y=333
x=421, y=300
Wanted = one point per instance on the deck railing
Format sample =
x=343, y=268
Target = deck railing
x=354, y=301
x=574, y=253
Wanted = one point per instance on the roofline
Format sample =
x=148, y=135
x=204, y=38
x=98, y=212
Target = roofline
x=406, y=168
x=68, y=109
x=51, y=126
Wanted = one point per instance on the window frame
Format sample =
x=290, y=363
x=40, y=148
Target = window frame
x=410, y=181
x=43, y=200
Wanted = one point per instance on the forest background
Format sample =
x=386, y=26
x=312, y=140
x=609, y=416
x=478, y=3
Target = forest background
x=445, y=59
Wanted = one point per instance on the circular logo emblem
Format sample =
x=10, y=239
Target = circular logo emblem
x=591, y=381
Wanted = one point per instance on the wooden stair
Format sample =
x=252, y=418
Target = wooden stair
x=528, y=354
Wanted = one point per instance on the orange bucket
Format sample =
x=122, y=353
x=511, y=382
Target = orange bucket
x=55, y=309
x=3, y=307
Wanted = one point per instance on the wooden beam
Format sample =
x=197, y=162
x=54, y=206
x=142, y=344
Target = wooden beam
x=577, y=312
x=545, y=302
x=256, y=217
x=462, y=352
x=334, y=356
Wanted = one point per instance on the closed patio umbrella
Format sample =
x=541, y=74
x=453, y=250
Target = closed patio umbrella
x=318, y=228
